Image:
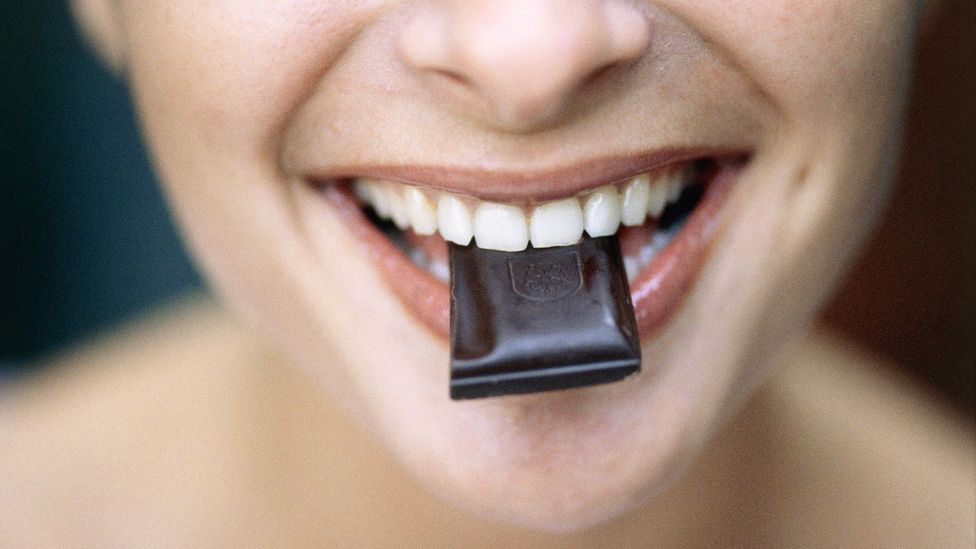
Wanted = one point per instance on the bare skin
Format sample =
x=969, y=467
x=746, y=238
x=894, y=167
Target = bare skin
x=176, y=433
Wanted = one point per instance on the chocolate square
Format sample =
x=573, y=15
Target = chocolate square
x=540, y=319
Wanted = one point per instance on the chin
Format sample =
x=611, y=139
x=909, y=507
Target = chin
x=558, y=462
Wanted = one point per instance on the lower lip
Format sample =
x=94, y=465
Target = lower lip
x=657, y=292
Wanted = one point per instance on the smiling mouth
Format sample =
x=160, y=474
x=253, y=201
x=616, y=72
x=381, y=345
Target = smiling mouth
x=664, y=217
x=646, y=210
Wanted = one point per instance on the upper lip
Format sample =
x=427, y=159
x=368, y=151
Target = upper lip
x=532, y=185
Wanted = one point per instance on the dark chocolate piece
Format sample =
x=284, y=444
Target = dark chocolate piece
x=540, y=319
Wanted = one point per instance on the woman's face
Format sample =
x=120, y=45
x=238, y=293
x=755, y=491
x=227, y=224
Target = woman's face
x=258, y=114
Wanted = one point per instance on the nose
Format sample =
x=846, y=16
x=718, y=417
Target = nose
x=520, y=63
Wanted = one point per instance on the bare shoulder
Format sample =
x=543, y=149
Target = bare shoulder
x=114, y=424
x=185, y=429
x=877, y=459
x=120, y=369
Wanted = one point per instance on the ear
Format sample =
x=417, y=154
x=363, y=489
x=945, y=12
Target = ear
x=100, y=25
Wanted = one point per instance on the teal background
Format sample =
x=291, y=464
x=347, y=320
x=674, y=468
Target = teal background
x=85, y=240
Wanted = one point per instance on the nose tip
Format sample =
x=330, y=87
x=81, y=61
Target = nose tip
x=521, y=62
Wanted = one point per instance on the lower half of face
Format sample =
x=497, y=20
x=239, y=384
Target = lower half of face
x=319, y=155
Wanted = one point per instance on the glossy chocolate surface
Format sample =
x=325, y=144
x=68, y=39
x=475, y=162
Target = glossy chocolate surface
x=540, y=319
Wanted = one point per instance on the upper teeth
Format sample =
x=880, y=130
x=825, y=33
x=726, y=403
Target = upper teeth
x=509, y=227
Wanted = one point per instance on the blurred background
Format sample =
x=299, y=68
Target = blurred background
x=86, y=242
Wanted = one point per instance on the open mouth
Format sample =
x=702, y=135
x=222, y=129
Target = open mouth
x=665, y=219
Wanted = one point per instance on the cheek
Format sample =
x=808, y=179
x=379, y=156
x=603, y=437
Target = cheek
x=836, y=73
x=219, y=80
x=810, y=57
x=214, y=83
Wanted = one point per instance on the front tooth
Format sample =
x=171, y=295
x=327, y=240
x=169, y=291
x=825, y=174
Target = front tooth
x=658, y=197
x=601, y=213
x=398, y=207
x=500, y=227
x=634, y=202
x=454, y=220
x=423, y=217
x=558, y=223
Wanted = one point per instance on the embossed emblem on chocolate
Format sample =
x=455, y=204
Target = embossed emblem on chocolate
x=546, y=278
